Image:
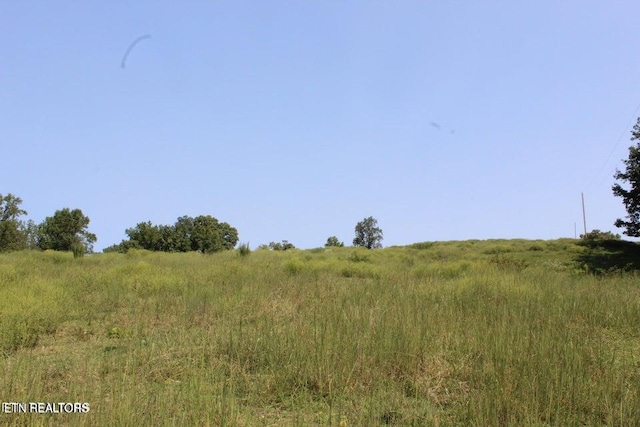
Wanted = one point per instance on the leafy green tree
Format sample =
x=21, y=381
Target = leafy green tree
x=284, y=246
x=144, y=235
x=168, y=240
x=122, y=247
x=229, y=236
x=32, y=232
x=13, y=233
x=631, y=196
x=183, y=229
x=333, y=242
x=206, y=236
x=203, y=233
x=600, y=235
x=368, y=234
x=65, y=229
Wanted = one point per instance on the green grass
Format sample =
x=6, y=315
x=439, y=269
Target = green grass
x=487, y=333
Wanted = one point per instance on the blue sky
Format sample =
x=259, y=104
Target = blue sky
x=294, y=120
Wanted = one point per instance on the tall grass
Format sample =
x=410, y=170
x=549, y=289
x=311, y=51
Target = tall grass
x=447, y=333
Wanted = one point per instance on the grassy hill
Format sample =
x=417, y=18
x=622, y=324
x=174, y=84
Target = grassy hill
x=497, y=332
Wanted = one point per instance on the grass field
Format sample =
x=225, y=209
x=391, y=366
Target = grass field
x=486, y=333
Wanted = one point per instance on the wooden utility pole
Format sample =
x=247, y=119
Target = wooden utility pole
x=584, y=217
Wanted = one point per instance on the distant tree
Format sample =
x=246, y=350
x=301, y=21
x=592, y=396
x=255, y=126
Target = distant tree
x=32, y=232
x=229, y=236
x=13, y=233
x=144, y=235
x=183, y=229
x=368, y=234
x=600, y=235
x=275, y=246
x=630, y=197
x=203, y=233
x=65, y=229
x=122, y=247
x=284, y=246
x=168, y=240
x=333, y=242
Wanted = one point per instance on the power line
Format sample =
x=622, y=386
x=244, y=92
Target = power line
x=624, y=131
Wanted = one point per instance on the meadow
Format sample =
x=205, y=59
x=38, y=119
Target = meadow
x=478, y=333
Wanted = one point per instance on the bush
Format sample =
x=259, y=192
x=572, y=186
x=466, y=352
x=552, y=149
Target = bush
x=355, y=257
x=333, y=242
x=285, y=245
x=244, y=250
x=78, y=250
x=597, y=235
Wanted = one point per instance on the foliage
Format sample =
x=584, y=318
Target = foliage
x=600, y=235
x=203, y=233
x=285, y=245
x=13, y=234
x=368, y=234
x=608, y=256
x=32, y=231
x=145, y=235
x=631, y=196
x=244, y=249
x=65, y=229
x=78, y=250
x=333, y=242
x=356, y=257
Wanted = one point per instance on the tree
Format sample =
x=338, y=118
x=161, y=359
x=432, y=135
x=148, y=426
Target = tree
x=333, y=242
x=597, y=235
x=630, y=197
x=183, y=229
x=368, y=234
x=65, y=229
x=229, y=236
x=284, y=246
x=144, y=235
x=13, y=232
x=203, y=233
x=207, y=235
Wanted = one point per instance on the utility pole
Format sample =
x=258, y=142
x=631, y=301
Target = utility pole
x=584, y=217
x=575, y=231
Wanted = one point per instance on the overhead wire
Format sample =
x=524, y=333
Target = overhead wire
x=624, y=131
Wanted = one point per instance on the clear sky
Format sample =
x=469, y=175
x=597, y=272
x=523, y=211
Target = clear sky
x=445, y=120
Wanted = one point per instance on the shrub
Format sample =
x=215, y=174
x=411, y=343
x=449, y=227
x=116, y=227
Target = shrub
x=355, y=257
x=285, y=245
x=599, y=235
x=333, y=242
x=244, y=250
x=78, y=250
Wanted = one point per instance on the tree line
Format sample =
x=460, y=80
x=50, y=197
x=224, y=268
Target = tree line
x=67, y=230
x=203, y=233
